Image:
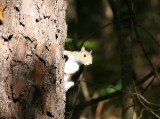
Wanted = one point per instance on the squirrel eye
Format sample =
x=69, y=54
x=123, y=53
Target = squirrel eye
x=84, y=55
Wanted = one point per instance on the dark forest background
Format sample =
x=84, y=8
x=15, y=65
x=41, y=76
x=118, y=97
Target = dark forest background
x=102, y=24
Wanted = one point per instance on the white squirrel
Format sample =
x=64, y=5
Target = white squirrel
x=72, y=65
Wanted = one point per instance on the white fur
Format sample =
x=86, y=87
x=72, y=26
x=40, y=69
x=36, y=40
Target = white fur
x=70, y=68
x=68, y=85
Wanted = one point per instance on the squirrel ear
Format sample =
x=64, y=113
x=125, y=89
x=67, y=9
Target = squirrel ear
x=90, y=51
x=83, y=48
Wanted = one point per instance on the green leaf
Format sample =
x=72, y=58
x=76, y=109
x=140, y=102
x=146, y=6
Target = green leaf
x=90, y=44
x=68, y=40
x=111, y=88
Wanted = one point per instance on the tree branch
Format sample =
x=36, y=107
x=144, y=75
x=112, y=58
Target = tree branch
x=111, y=95
x=96, y=100
x=147, y=77
x=140, y=43
x=149, y=34
x=103, y=27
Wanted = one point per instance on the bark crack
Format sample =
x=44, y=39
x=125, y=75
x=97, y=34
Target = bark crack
x=6, y=39
x=41, y=59
x=30, y=39
x=27, y=37
x=22, y=24
x=17, y=9
x=4, y=8
x=49, y=114
x=44, y=17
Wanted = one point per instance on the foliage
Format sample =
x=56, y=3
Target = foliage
x=69, y=43
x=111, y=88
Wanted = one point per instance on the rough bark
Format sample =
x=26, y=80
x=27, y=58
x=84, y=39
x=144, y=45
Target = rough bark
x=31, y=62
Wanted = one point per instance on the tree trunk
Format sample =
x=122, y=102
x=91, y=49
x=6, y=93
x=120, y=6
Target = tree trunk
x=124, y=29
x=31, y=62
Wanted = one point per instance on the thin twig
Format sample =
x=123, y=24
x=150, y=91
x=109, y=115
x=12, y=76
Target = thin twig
x=103, y=27
x=156, y=115
x=79, y=87
x=139, y=82
x=141, y=99
x=141, y=114
x=144, y=51
x=153, y=67
x=96, y=100
x=147, y=77
x=146, y=101
x=150, y=83
x=111, y=95
x=141, y=45
x=149, y=34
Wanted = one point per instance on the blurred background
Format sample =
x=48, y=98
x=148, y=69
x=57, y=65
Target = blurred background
x=87, y=20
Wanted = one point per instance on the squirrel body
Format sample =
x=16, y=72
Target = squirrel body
x=72, y=65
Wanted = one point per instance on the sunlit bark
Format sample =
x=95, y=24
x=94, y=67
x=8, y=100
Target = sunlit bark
x=31, y=62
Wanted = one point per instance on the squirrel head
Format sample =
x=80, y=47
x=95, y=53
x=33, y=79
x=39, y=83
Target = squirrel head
x=85, y=57
x=82, y=57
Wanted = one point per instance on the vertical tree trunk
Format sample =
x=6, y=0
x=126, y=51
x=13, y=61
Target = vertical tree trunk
x=31, y=62
x=121, y=10
x=127, y=61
